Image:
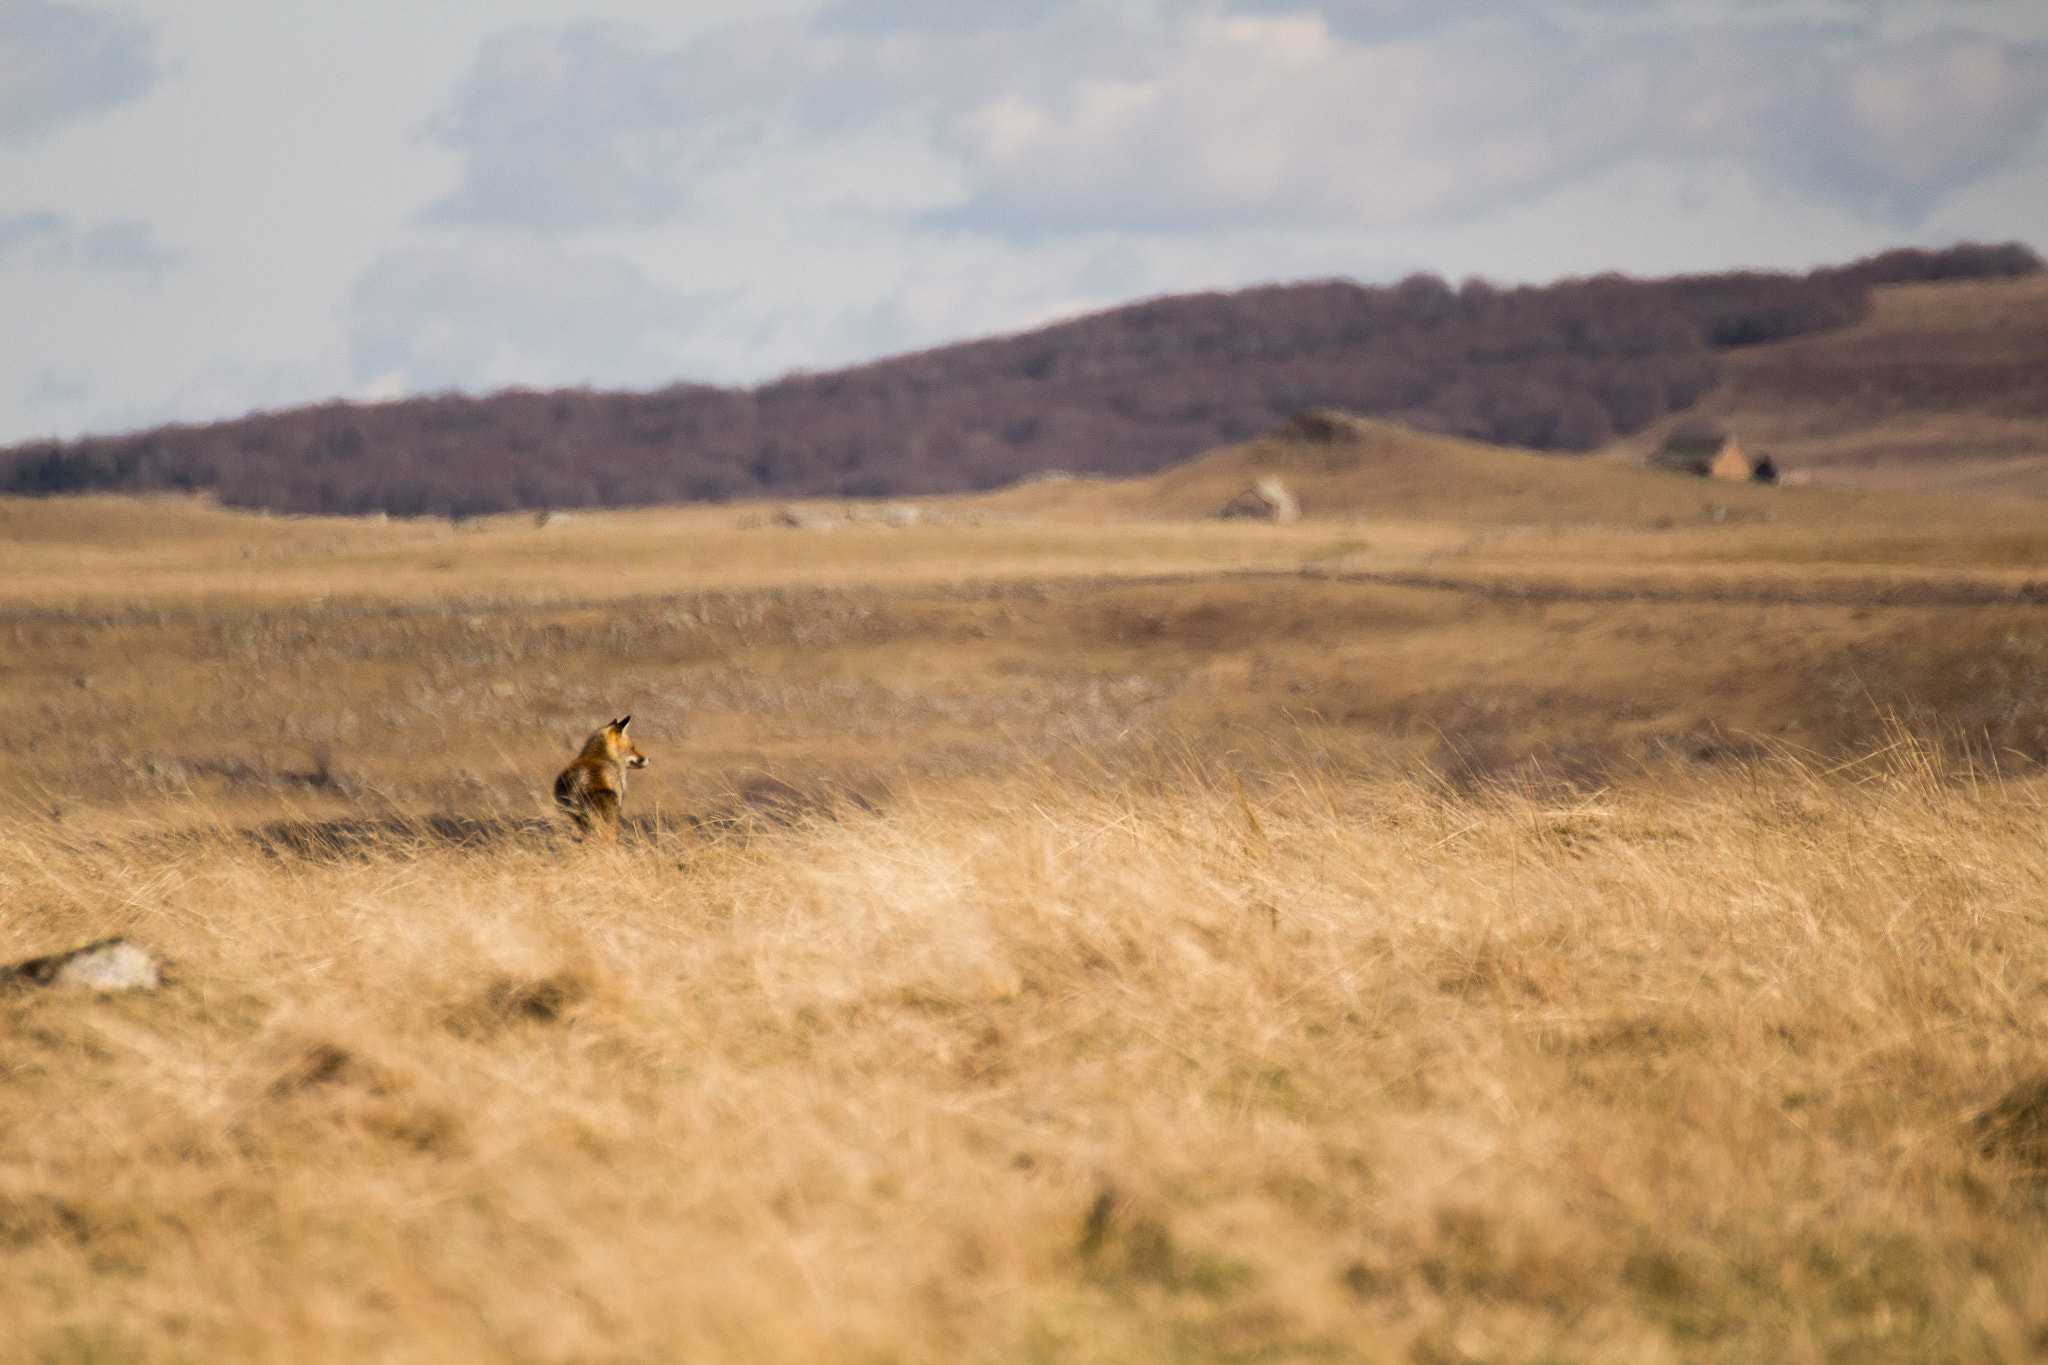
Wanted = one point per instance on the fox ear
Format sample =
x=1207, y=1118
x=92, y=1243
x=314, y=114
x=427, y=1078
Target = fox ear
x=622, y=724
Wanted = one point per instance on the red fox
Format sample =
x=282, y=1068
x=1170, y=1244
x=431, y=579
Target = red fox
x=594, y=787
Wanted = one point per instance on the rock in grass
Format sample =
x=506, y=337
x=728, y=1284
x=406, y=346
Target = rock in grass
x=112, y=964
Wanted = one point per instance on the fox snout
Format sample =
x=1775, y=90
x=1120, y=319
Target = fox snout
x=636, y=759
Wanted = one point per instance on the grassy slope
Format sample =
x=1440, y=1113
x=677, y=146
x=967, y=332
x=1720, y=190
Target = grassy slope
x=1942, y=390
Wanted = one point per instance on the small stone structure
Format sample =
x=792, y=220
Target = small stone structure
x=1267, y=499
x=111, y=964
x=1695, y=448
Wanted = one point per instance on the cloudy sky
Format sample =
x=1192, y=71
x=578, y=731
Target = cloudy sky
x=209, y=206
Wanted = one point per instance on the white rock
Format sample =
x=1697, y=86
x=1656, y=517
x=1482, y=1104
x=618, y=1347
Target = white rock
x=112, y=964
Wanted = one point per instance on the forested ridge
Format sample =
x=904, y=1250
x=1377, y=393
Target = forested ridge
x=1561, y=367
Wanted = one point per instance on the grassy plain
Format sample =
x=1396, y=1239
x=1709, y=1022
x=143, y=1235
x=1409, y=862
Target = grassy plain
x=1525, y=911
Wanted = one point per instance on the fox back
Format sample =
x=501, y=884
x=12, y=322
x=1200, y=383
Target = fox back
x=593, y=787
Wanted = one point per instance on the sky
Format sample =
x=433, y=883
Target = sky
x=209, y=207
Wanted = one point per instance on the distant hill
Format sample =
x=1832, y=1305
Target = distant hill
x=1563, y=367
x=1341, y=466
x=1942, y=388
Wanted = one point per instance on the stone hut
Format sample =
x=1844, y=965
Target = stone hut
x=1267, y=499
x=1694, y=448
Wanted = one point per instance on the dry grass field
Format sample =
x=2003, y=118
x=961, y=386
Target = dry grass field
x=1524, y=911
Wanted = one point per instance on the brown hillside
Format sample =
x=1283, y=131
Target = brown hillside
x=1130, y=391
x=1359, y=469
x=1372, y=469
x=1944, y=388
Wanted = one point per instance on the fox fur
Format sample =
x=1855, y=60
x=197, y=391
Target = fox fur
x=593, y=788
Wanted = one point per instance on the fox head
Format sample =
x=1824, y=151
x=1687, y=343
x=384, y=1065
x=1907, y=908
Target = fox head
x=622, y=748
x=612, y=743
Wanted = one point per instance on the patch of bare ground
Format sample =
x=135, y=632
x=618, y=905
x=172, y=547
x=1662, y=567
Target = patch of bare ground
x=1194, y=1064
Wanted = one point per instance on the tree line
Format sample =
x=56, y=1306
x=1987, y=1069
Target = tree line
x=1562, y=367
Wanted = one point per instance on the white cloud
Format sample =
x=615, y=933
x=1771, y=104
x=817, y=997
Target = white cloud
x=59, y=62
x=386, y=197
x=591, y=126
x=1279, y=120
x=1181, y=119
x=1901, y=128
x=566, y=129
x=51, y=240
x=508, y=309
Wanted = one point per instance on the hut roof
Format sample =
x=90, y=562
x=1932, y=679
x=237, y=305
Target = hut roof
x=1690, y=448
x=1268, y=498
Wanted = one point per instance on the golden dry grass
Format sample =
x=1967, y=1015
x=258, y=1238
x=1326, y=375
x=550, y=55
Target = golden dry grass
x=1074, y=932
x=1152, y=1066
x=1502, y=602
x=101, y=553
x=1384, y=498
